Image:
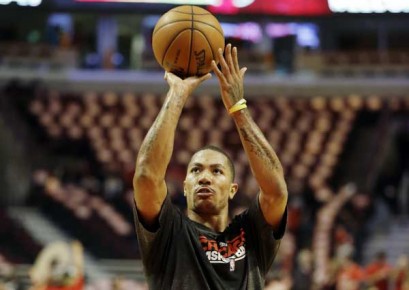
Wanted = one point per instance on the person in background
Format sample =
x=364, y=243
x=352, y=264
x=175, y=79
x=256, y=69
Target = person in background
x=59, y=266
x=378, y=272
x=400, y=273
x=350, y=275
x=302, y=274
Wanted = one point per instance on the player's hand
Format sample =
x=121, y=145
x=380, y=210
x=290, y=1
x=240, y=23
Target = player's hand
x=230, y=76
x=185, y=86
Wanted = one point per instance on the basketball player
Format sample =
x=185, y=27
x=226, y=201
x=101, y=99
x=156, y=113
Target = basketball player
x=203, y=250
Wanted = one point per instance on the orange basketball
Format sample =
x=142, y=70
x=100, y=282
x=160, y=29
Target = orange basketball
x=185, y=40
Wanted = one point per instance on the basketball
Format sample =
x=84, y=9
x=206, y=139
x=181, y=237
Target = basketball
x=185, y=40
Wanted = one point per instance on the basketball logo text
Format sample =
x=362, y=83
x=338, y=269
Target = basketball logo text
x=200, y=57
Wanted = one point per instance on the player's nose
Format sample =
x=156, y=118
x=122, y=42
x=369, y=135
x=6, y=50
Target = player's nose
x=205, y=178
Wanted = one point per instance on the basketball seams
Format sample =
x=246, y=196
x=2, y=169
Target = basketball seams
x=185, y=20
x=207, y=40
x=171, y=42
x=193, y=10
x=191, y=43
x=209, y=25
x=182, y=12
x=170, y=23
x=196, y=21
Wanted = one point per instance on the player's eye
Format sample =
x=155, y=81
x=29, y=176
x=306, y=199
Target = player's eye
x=194, y=170
x=217, y=171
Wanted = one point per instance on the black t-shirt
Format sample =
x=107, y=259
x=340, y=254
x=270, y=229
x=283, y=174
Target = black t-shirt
x=182, y=254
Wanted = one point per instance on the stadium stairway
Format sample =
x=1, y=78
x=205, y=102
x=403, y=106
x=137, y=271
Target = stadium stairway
x=13, y=166
x=44, y=231
x=393, y=240
x=365, y=134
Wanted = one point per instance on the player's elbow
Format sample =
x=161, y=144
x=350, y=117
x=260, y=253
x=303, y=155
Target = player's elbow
x=282, y=191
x=141, y=176
x=142, y=168
x=145, y=175
x=276, y=192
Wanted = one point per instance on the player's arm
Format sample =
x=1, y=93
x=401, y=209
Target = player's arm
x=157, y=147
x=264, y=162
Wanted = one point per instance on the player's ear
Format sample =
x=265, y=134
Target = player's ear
x=234, y=187
x=184, y=187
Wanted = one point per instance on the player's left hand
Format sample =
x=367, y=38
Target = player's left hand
x=230, y=76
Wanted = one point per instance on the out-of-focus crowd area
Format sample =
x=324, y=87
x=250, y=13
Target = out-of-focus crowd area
x=79, y=92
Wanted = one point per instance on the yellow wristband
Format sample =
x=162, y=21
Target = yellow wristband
x=240, y=105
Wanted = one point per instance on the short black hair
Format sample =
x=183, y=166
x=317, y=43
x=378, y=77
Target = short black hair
x=218, y=149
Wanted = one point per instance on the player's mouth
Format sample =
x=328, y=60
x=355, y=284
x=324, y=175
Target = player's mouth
x=204, y=192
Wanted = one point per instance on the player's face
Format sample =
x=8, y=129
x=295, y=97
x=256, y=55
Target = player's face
x=208, y=184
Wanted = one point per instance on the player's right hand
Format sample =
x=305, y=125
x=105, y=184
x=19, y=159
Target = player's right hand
x=185, y=86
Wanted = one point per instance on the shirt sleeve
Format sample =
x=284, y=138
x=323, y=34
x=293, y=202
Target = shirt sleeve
x=264, y=239
x=153, y=239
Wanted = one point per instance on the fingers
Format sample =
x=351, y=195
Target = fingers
x=215, y=68
x=198, y=80
x=229, y=62
x=223, y=63
x=217, y=72
x=243, y=71
x=235, y=60
x=205, y=77
x=229, y=58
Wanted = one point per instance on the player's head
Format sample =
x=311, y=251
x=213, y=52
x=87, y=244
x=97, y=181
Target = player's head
x=209, y=182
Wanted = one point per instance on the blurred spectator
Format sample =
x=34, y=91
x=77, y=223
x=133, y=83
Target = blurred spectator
x=336, y=264
x=90, y=183
x=342, y=236
x=278, y=281
x=113, y=185
x=7, y=275
x=295, y=210
x=350, y=275
x=59, y=266
x=302, y=274
x=117, y=283
x=355, y=216
x=400, y=274
x=378, y=272
x=344, y=272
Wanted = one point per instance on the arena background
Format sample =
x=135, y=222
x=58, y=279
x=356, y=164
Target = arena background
x=327, y=83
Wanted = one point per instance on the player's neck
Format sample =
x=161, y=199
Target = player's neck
x=216, y=222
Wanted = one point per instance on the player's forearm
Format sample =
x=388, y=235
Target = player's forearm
x=265, y=165
x=156, y=149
